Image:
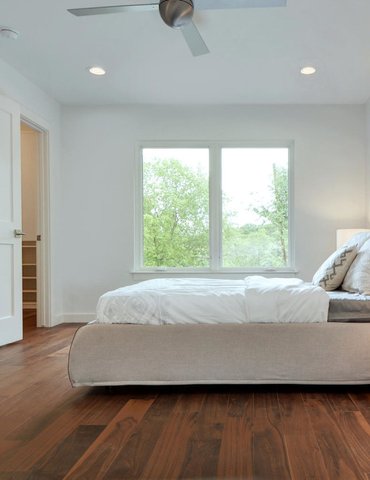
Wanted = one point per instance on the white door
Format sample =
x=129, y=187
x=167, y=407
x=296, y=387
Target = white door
x=10, y=221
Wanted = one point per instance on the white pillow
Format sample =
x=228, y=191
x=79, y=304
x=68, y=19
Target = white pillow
x=359, y=239
x=357, y=279
x=332, y=272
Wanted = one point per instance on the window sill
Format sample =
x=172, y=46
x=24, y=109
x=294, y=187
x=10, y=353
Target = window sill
x=286, y=272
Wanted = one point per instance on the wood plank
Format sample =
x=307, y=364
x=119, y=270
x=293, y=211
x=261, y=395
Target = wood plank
x=15, y=476
x=341, y=401
x=236, y=452
x=366, y=415
x=53, y=406
x=170, y=450
x=25, y=424
x=6, y=372
x=215, y=406
x=356, y=431
x=6, y=446
x=203, y=446
x=96, y=461
x=60, y=460
x=270, y=459
x=62, y=352
x=361, y=398
x=337, y=456
x=360, y=392
x=133, y=457
x=34, y=343
x=240, y=402
x=24, y=382
x=190, y=402
x=107, y=407
x=29, y=453
x=202, y=452
x=300, y=438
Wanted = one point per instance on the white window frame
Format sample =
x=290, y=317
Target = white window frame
x=215, y=208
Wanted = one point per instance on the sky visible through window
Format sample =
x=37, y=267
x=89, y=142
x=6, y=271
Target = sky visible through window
x=246, y=179
x=195, y=158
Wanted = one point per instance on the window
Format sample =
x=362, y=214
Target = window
x=214, y=207
x=176, y=207
x=255, y=207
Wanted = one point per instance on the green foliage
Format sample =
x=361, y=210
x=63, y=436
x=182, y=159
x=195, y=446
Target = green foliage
x=176, y=221
x=251, y=246
x=262, y=245
x=175, y=215
x=276, y=213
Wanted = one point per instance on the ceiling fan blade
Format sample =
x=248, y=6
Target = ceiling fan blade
x=194, y=40
x=82, y=12
x=226, y=4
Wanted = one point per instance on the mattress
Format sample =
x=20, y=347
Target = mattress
x=348, y=307
x=254, y=299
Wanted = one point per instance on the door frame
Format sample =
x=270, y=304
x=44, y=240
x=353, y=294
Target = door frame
x=43, y=273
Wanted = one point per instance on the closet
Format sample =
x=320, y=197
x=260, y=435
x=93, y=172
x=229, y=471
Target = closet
x=30, y=150
x=29, y=273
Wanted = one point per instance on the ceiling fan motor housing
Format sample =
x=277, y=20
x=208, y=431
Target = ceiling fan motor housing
x=176, y=13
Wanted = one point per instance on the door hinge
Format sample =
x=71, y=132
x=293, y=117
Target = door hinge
x=38, y=238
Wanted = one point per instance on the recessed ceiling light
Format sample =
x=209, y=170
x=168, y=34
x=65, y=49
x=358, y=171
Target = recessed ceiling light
x=7, y=32
x=97, y=70
x=308, y=70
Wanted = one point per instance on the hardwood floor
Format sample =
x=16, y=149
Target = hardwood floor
x=49, y=431
x=29, y=318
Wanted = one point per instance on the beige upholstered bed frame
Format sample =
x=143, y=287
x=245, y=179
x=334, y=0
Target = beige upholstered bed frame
x=329, y=353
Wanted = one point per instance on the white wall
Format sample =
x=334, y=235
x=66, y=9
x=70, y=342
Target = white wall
x=39, y=107
x=99, y=147
x=367, y=128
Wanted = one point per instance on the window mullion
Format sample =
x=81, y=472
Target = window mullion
x=215, y=208
x=139, y=210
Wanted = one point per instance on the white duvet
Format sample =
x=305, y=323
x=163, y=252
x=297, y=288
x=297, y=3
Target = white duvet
x=189, y=301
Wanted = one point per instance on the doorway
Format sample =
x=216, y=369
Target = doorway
x=11, y=234
x=30, y=166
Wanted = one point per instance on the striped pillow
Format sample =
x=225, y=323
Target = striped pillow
x=332, y=272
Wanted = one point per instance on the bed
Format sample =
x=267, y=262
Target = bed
x=297, y=346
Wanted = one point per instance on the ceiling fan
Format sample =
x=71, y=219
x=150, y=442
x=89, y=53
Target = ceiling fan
x=178, y=14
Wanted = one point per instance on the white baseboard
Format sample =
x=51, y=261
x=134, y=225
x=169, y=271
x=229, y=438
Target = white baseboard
x=75, y=318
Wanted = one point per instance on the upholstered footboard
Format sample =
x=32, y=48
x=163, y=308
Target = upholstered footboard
x=115, y=354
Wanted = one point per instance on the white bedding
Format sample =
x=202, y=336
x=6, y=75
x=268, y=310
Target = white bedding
x=189, y=301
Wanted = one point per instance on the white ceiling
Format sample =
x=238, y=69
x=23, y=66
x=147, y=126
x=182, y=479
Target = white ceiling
x=256, y=54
